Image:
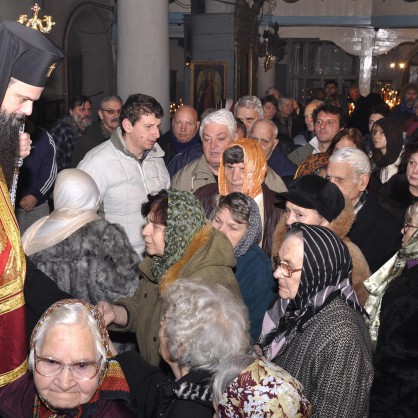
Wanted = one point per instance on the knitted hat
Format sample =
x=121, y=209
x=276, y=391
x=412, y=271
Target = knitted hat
x=314, y=192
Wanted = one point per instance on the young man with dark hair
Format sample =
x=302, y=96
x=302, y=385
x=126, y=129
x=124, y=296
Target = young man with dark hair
x=328, y=121
x=129, y=166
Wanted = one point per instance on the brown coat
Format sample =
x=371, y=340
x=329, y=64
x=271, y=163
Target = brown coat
x=209, y=256
x=341, y=225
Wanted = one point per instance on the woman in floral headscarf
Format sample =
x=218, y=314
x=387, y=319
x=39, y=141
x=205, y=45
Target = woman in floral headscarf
x=248, y=387
x=71, y=370
x=315, y=329
x=180, y=243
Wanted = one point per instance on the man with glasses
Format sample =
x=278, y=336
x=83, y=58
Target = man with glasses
x=109, y=111
x=328, y=121
x=68, y=130
x=265, y=133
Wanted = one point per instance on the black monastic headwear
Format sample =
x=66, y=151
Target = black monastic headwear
x=25, y=54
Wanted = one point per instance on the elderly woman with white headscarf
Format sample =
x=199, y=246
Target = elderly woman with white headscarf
x=71, y=369
x=86, y=256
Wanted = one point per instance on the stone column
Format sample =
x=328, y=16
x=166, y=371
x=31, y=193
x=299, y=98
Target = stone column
x=143, y=51
x=265, y=79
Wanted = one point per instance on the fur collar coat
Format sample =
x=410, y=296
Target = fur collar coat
x=209, y=256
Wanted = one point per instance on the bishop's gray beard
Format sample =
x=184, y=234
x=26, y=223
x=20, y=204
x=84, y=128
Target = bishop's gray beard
x=9, y=143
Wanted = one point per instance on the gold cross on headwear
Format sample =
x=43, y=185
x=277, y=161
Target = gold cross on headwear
x=51, y=68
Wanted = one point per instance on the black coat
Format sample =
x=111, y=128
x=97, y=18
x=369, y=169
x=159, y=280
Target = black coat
x=395, y=197
x=377, y=233
x=153, y=394
x=40, y=293
x=395, y=387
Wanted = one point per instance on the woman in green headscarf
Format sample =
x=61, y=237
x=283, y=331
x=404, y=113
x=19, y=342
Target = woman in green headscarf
x=180, y=243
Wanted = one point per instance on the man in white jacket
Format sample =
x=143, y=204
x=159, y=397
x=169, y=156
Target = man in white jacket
x=129, y=166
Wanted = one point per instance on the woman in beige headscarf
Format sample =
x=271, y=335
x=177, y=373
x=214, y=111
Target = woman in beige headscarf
x=86, y=256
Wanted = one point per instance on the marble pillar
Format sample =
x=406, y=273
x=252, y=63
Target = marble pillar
x=265, y=79
x=143, y=63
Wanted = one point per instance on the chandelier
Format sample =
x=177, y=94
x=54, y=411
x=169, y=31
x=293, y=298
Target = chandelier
x=43, y=25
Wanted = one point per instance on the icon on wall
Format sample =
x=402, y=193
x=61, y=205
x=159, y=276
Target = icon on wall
x=207, y=84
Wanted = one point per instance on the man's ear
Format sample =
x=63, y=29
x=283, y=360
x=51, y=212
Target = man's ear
x=362, y=182
x=127, y=125
x=100, y=113
x=276, y=142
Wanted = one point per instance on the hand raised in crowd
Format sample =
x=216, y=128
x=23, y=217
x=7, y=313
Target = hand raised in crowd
x=113, y=314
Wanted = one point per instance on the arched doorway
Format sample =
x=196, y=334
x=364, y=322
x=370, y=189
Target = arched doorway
x=89, y=50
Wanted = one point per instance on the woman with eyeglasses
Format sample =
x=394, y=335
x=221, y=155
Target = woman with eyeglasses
x=180, y=243
x=314, y=200
x=71, y=370
x=393, y=310
x=316, y=329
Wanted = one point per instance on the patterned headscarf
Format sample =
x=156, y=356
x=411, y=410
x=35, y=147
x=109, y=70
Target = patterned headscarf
x=185, y=217
x=326, y=273
x=379, y=281
x=312, y=164
x=254, y=230
x=264, y=390
x=255, y=170
x=112, y=383
x=92, y=311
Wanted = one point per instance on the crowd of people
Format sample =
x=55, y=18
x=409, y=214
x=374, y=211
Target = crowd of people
x=256, y=261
